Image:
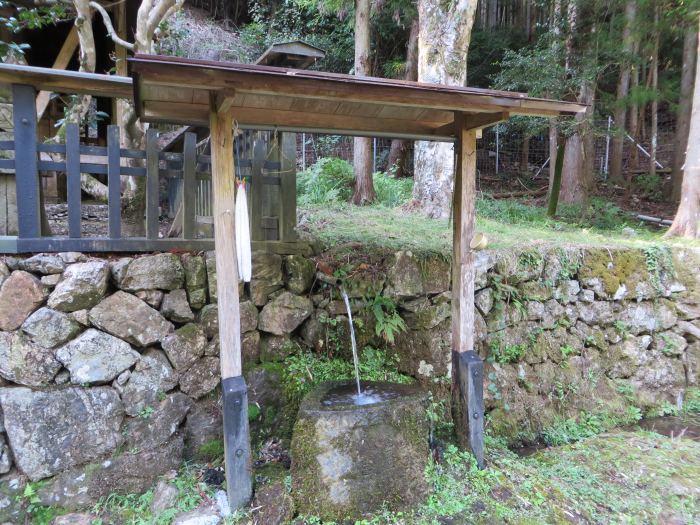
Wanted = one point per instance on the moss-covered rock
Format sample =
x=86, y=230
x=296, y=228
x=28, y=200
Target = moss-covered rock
x=299, y=273
x=350, y=460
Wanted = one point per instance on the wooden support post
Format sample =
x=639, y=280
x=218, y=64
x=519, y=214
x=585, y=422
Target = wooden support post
x=467, y=368
x=26, y=162
x=239, y=484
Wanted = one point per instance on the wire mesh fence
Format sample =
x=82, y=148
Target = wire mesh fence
x=504, y=150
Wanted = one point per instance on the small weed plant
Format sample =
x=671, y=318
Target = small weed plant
x=388, y=321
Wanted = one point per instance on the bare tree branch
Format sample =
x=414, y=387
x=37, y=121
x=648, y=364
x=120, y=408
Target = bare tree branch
x=110, y=28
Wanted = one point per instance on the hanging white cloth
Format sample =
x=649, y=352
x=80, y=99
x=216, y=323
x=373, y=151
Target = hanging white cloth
x=242, y=227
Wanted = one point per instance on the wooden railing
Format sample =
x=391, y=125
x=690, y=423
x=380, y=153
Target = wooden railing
x=265, y=160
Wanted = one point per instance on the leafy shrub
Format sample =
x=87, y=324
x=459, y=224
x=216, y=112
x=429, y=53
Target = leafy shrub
x=392, y=191
x=389, y=322
x=329, y=180
x=304, y=371
x=648, y=184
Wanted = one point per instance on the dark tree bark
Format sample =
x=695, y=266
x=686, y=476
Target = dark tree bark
x=684, y=109
x=623, y=85
x=363, y=191
x=399, y=148
x=685, y=224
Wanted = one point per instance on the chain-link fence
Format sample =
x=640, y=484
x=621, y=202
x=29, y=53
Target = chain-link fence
x=504, y=151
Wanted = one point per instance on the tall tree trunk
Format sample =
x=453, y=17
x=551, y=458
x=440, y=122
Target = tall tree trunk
x=443, y=44
x=578, y=155
x=492, y=14
x=634, y=117
x=655, y=101
x=525, y=154
x=399, y=147
x=690, y=43
x=623, y=85
x=685, y=223
x=363, y=192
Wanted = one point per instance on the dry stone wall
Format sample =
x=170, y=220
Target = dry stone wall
x=109, y=366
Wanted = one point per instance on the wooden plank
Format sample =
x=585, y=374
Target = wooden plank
x=26, y=165
x=256, y=189
x=189, y=187
x=61, y=81
x=114, y=182
x=238, y=459
x=262, y=118
x=73, y=179
x=468, y=416
x=288, y=187
x=51, y=148
x=152, y=186
x=62, y=59
x=139, y=244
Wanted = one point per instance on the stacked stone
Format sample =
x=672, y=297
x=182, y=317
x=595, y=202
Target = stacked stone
x=595, y=329
x=108, y=367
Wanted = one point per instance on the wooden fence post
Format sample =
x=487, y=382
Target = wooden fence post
x=189, y=185
x=239, y=483
x=114, y=182
x=26, y=164
x=256, y=188
x=73, y=179
x=288, y=187
x=152, y=186
x=467, y=368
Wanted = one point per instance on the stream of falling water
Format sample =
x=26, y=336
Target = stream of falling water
x=354, y=344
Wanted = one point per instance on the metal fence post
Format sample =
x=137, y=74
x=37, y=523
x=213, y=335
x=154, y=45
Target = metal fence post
x=497, y=148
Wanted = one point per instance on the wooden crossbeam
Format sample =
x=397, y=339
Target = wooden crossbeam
x=62, y=60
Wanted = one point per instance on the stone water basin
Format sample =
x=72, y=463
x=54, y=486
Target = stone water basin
x=351, y=459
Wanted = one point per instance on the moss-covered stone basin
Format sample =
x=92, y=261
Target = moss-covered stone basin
x=350, y=460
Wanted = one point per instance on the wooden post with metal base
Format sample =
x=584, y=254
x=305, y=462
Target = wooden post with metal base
x=467, y=368
x=239, y=481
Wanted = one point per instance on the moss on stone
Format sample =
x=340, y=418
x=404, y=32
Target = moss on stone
x=614, y=268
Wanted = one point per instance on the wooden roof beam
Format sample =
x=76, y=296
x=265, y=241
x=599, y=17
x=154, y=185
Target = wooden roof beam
x=224, y=100
x=258, y=118
x=62, y=81
x=475, y=122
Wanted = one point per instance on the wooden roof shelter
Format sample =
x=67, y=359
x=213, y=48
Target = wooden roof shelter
x=296, y=53
x=167, y=88
x=222, y=95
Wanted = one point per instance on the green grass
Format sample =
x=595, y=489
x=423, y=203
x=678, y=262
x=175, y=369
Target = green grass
x=506, y=224
x=622, y=477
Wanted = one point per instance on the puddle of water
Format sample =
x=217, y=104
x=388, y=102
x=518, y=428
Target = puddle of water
x=686, y=427
x=672, y=426
x=371, y=394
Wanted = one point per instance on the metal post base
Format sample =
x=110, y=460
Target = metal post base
x=470, y=371
x=239, y=479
